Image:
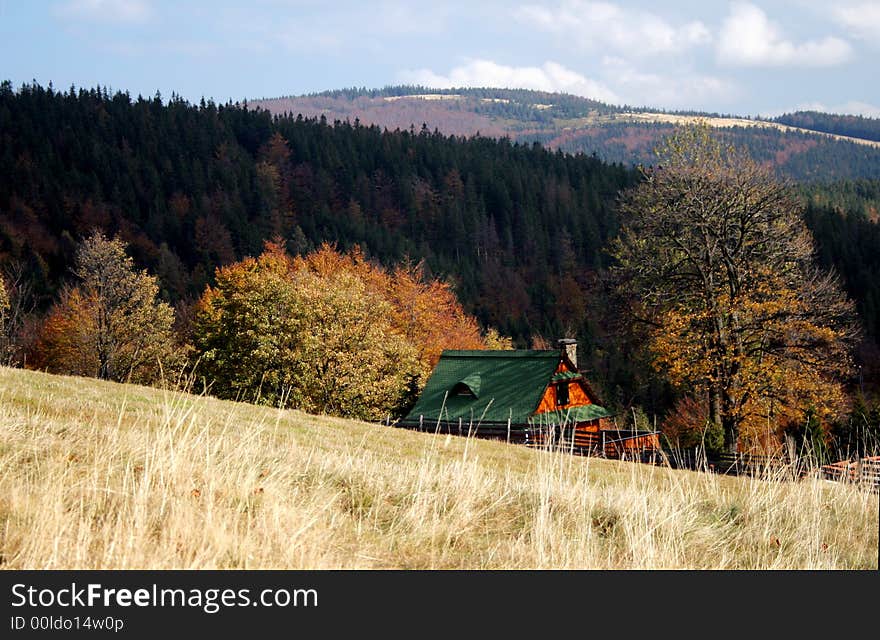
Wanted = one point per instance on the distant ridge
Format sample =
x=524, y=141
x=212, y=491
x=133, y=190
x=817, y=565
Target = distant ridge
x=806, y=146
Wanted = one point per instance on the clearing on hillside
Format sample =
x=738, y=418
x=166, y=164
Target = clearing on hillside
x=98, y=475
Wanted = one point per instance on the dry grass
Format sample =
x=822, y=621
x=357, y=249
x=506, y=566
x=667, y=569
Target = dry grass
x=100, y=475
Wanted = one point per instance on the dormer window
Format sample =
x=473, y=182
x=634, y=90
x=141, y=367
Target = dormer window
x=469, y=387
x=461, y=389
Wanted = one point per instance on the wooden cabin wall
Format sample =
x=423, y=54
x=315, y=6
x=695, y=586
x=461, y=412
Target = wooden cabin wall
x=577, y=397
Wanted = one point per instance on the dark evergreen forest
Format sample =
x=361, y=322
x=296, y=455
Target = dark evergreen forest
x=844, y=125
x=521, y=231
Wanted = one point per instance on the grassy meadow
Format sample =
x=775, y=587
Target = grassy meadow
x=97, y=475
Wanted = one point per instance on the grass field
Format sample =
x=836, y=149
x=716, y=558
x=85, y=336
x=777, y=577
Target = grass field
x=102, y=475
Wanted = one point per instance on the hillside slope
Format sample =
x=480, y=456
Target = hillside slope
x=102, y=475
x=574, y=124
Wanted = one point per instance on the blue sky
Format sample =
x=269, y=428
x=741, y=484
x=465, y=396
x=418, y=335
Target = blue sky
x=759, y=57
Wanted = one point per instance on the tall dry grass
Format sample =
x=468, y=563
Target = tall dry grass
x=101, y=475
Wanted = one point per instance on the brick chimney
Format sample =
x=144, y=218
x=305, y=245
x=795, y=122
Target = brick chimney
x=569, y=346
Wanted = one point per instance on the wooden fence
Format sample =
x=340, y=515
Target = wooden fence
x=865, y=471
x=608, y=443
x=644, y=446
x=727, y=463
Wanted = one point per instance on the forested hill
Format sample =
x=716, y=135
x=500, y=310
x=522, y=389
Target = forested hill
x=801, y=148
x=844, y=125
x=519, y=229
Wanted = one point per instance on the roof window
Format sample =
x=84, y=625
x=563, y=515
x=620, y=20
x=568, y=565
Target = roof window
x=469, y=386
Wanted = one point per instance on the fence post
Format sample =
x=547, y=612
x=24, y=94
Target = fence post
x=508, y=431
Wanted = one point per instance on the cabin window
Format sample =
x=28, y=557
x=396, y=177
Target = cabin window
x=562, y=393
x=461, y=389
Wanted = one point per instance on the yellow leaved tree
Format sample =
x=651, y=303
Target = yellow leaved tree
x=715, y=248
x=110, y=324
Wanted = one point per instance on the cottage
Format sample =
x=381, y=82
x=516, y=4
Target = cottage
x=525, y=396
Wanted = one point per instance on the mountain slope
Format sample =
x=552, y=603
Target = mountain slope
x=616, y=134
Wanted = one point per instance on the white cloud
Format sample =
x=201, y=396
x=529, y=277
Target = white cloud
x=862, y=20
x=550, y=76
x=748, y=38
x=623, y=82
x=683, y=89
x=602, y=25
x=131, y=11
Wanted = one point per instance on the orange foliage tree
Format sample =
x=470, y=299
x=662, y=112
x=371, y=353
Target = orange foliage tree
x=327, y=332
x=426, y=312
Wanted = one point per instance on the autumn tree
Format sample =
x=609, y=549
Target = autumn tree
x=350, y=360
x=274, y=330
x=109, y=325
x=273, y=188
x=722, y=263
x=242, y=326
x=327, y=332
x=425, y=311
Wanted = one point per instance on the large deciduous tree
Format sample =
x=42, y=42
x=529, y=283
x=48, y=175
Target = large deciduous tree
x=721, y=261
x=110, y=325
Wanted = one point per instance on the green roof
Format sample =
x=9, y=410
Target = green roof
x=490, y=387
